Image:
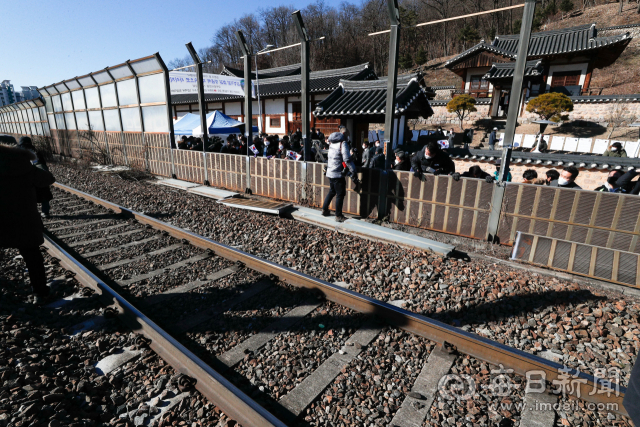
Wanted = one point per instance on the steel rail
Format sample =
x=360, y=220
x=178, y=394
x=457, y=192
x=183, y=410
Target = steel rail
x=218, y=390
x=583, y=386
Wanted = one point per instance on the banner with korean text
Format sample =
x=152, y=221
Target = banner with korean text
x=186, y=83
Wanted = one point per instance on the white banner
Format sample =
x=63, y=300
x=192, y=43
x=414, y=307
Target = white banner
x=186, y=83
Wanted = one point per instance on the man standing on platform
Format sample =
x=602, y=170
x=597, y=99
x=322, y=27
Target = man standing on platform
x=338, y=158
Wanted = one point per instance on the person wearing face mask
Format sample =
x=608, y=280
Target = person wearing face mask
x=567, y=178
x=270, y=147
x=432, y=160
x=280, y=154
x=619, y=182
x=615, y=150
x=402, y=162
x=611, y=185
x=226, y=145
x=367, y=154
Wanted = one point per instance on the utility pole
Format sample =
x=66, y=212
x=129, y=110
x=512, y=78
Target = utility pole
x=201, y=105
x=248, y=102
x=304, y=83
x=392, y=80
x=512, y=117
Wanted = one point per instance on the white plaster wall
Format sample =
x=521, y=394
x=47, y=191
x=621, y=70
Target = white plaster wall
x=233, y=109
x=274, y=106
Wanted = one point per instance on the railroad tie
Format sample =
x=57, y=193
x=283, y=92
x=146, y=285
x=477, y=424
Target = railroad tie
x=99, y=230
x=417, y=403
x=81, y=205
x=297, y=400
x=204, y=316
x=117, y=248
x=537, y=410
x=76, y=217
x=102, y=239
x=138, y=258
x=155, y=299
x=233, y=356
x=62, y=199
x=98, y=221
x=162, y=270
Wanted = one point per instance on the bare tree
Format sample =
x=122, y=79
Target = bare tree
x=618, y=115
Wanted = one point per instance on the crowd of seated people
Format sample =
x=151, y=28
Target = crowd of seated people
x=231, y=145
x=432, y=159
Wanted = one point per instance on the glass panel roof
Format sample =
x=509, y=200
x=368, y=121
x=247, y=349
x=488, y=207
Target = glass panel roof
x=72, y=84
x=86, y=81
x=121, y=72
x=146, y=66
x=102, y=77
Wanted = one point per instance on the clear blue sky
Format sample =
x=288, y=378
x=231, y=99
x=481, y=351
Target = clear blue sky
x=45, y=42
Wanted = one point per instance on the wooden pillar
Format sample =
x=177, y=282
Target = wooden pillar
x=313, y=117
x=241, y=112
x=587, y=78
x=223, y=109
x=286, y=115
x=264, y=116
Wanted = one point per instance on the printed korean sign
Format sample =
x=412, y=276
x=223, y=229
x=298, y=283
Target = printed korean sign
x=187, y=83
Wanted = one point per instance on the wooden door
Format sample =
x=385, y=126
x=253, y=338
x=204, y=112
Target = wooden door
x=296, y=116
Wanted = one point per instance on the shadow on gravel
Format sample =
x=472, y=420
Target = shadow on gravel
x=513, y=305
x=76, y=217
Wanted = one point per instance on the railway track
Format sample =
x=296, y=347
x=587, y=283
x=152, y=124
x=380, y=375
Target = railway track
x=291, y=343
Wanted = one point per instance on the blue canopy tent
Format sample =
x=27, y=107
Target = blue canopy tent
x=221, y=124
x=186, y=123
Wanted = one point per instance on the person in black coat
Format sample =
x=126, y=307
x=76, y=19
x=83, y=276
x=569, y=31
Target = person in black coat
x=432, y=160
x=377, y=161
x=367, y=154
x=20, y=223
x=619, y=182
x=43, y=194
x=226, y=145
x=476, y=172
x=403, y=163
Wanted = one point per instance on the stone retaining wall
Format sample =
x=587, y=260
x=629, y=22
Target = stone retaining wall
x=442, y=117
x=588, y=179
x=592, y=112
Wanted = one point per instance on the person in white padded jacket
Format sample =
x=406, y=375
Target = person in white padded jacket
x=338, y=156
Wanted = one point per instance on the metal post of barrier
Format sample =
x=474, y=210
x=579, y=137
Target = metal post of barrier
x=389, y=112
x=248, y=102
x=115, y=89
x=104, y=129
x=201, y=106
x=392, y=80
x=512, y=119
x=304, y=93
x=167, y=91
x=382, y=193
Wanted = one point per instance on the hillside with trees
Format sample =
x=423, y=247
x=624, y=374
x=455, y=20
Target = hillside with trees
x=347, y=43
